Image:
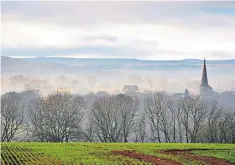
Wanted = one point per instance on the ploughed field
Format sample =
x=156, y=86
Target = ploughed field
x=32, y=153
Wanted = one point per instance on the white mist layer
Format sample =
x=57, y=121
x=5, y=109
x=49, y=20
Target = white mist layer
x=113, y=81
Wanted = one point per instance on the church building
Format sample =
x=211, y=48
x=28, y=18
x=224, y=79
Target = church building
x=205, y=88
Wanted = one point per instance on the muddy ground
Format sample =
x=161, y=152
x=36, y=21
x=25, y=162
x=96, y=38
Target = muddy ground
x=146, y=158
x=186, y=153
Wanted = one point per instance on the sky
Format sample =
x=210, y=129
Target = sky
x=139, y=30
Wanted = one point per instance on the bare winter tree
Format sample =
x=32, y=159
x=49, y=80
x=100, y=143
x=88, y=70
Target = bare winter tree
x=179, y=121
x=12, y=115
x=226, y=127
x=128, y=108
x=38, y=125
x=106, y=119
x=155, y=105
x=57, y=117
x=130, y=89
x=194, y=111
x=114, y=117
x=102, y=93
x=165, y=124
x=232, y=126
x=89, y=132
x=211, y=131
x=140, y=129
x=173, y=122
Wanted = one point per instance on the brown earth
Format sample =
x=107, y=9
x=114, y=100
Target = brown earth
x=188, y=155
x=146, y=158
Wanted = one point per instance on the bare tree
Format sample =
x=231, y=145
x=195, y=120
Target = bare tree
x=172, y=120
x=89, y=132
x=102, y=93
x=106, y=119
x=226, y=127
x=57, y=117
x=194, y=111
x=179, y=121
x=232, y=126
x=140, y=129
x=164, y=124
x=114, y=117
x=211, y=129
x=12, y=116
x=128, y=108
x=155, y=105
x=38, y=125
x=186, y=106
x=130, y=89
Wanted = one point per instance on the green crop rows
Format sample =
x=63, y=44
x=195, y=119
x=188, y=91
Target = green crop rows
x=22, y=153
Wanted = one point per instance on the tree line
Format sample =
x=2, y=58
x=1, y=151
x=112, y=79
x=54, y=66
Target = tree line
x=156, y=117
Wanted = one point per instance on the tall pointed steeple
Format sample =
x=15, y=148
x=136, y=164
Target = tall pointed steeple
x=205, y=87
x=204, y=81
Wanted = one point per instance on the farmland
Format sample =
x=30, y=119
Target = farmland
x=30, y=153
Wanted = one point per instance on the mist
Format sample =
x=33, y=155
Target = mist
x=113, y=81
x=83, y=76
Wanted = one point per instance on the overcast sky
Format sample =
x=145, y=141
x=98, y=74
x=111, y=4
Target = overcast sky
x=140, y=30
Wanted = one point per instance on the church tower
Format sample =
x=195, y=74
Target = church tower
x=186, y=93
x=205, y=87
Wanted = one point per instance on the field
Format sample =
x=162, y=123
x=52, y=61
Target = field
x=25, y=153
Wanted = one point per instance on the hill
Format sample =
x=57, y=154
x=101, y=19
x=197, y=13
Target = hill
x=54, y=65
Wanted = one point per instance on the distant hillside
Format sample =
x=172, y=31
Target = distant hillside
x=24, y=66
x=47, y=65
x=77, y=61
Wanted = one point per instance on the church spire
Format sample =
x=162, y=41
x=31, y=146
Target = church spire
x=186, y=93
x=204, y=81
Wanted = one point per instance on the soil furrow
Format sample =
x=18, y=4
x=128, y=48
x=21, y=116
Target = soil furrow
x=146, y=158
x=188, y=155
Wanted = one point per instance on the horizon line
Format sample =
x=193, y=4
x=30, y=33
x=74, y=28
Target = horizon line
x=199, y=59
